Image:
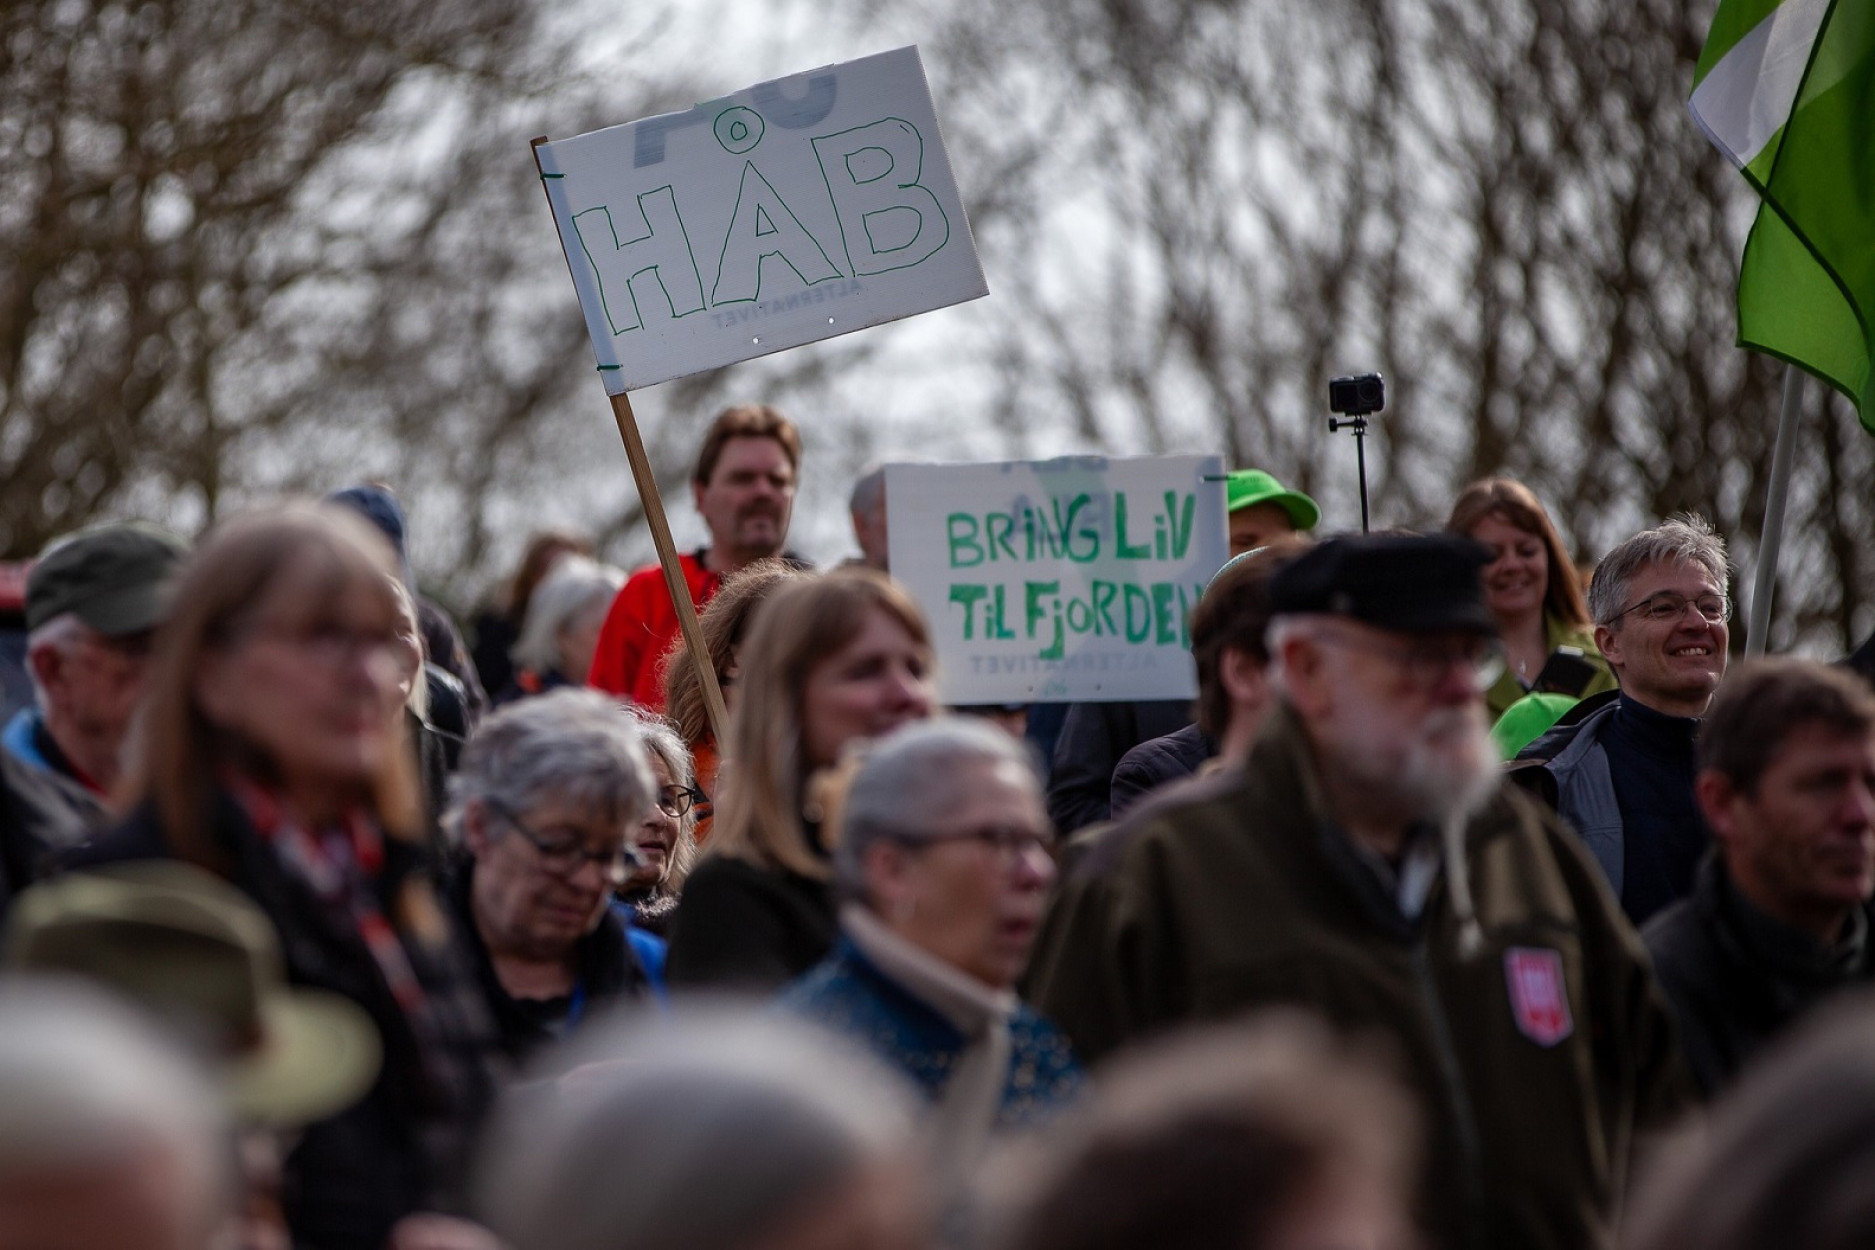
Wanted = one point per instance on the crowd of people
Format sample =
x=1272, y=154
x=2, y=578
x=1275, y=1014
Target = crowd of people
x=1473, y=903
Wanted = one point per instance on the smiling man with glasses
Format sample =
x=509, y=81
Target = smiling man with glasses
x=1366, y=863
x=1620, y=768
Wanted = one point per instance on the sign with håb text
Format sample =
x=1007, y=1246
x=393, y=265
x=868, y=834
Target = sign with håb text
x=793, y=211
x=1059, y=580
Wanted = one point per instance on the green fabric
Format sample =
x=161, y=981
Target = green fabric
x=1247, y=487
x=1507, y=689
x=1806, y=290
x=1734, y=20
x=1229, y=898
x=1524, y=721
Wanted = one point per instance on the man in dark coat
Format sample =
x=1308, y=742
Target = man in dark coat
x=1779, y=918
x=1227, y=645
x=1367, y=864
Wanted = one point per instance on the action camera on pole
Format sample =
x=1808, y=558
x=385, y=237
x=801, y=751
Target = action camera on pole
x=1356, y=399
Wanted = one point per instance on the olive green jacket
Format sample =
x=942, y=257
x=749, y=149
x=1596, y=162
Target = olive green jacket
x=1235, y=892
x=1506, y=690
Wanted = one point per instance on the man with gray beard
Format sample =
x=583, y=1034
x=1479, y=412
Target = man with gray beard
x=1366, y=864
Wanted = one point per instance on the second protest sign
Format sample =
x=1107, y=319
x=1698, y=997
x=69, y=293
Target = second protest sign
x=1059, y=580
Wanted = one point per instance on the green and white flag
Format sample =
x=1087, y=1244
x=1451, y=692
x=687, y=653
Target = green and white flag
x=1786, y=89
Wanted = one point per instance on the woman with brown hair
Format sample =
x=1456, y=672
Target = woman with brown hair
x=274, y=756
x=829, y=660
x=724, y=624
x=1532, y=590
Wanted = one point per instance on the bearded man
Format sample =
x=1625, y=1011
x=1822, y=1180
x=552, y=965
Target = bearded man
x=1365, y=863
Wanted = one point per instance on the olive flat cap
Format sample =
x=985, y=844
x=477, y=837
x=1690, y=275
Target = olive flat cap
x=114, y=578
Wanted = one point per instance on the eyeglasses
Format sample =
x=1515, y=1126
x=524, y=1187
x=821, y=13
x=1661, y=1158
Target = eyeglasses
x=330, y=644
x=1010, y=842
x=564, y=857
x=1671, y=605
x=1425, y=661
x=674, y=801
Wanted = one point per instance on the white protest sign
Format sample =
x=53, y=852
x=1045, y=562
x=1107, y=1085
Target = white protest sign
x=1059, y=580
x=790, y=212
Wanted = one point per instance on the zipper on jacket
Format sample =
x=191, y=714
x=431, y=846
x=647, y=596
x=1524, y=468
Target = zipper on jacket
x=1471, y=1155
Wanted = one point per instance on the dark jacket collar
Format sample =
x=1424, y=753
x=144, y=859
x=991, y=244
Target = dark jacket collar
x=605, y=970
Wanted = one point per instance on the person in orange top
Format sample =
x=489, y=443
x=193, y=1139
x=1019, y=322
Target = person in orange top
x=744, y=489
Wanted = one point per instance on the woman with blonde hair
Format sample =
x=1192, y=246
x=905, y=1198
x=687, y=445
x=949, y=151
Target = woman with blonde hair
x=829, y=660
x=274, y=755
x=1531, y=588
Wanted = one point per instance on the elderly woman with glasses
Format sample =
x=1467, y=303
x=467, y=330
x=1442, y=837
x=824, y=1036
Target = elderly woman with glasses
x=546, y=803
x=943, y=863
x=666, y=839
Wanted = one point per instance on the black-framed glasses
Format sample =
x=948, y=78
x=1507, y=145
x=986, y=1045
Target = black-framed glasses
x=1671, y=605
x=1011, y=842
x=674, y=801
x=1426, y=660
x=563, y=857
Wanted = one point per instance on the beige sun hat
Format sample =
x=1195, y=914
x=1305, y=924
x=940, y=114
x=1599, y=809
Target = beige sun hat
x=197, y=953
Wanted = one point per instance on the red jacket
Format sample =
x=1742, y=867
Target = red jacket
x=641, y=627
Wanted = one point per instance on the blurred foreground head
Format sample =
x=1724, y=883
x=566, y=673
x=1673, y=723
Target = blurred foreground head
x=1783, y=1161
x=108, y=1137
x=715, y=1129
x=1267, y=1136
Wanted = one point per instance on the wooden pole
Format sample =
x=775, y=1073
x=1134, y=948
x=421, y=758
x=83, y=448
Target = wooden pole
x=673, y=569
x=647, y=484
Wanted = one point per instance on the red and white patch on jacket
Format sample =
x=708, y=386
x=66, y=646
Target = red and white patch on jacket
x=1539, y=997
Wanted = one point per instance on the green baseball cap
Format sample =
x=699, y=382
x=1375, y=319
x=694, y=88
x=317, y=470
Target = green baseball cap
x=114, y=578
x=1528, y=719
x=1246, y=487
x=204, y=959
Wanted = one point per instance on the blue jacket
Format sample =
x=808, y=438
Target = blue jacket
x=849, y=995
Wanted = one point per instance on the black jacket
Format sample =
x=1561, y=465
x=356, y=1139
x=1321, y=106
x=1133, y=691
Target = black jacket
x=1093, y=738
x=39, y=815
x=607, y=973
x=740, y=926
x=403, y=1147
x=1157, y=761
x=1737, y=978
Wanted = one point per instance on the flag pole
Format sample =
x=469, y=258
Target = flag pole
x=647, y=483
x=1772, y=540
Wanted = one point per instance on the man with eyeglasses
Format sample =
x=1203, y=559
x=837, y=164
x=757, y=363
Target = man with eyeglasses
x=1366, y=863
x=1619, y=768
x=93, y=602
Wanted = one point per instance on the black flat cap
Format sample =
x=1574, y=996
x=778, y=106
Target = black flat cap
x=115, y=578
x=1409, y=584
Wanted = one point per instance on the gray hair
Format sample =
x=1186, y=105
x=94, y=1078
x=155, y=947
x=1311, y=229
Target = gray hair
x=570, y=745
x=86, y=1081
x=693, y=1131
x=573, y=585
x=662, y=740
x=60, y=633
x=1686, y=538
x=910, y=780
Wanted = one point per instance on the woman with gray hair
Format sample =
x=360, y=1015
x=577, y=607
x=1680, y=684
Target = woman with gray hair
x=715, y=1129
x=561, y=628
x=943, y=863
x=666, y=839
x=545, y=804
